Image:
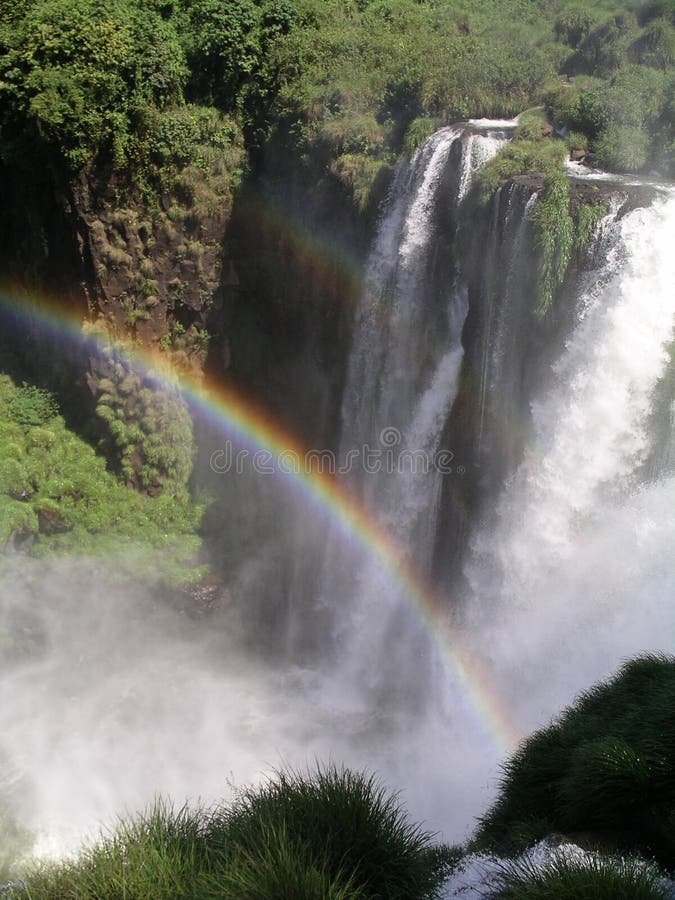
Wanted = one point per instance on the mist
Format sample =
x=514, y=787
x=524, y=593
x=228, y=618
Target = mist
x=110, y=698
x=113, y=695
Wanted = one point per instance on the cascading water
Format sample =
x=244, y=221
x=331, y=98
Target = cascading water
x=575, y=567
x=402, y=380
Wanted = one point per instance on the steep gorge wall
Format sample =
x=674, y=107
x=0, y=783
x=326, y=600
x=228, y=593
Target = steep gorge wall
x=295, y=246
x=256, y=285
x=509, y=348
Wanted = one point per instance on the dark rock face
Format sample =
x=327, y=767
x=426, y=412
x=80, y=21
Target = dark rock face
x=40, y=234
x=261, y=293
x=206, y=597
x=295, y=251
x=50, y=521
x=508, y=351
x=151, y=274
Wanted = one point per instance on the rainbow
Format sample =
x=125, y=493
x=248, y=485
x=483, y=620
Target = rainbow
x=251, y=425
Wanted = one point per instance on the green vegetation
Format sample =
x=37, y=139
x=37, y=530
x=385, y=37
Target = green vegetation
x=607, y=764
x=83, y=74
x=625, y=121
x=588, y=216
x=520, y=157
x=602, y=773
x=591, y=878
x=57, y=496
x=149, y=428
x=329, y=835
x=561, y=229
x=152, y=88
x=555, y=236
x=346, y=822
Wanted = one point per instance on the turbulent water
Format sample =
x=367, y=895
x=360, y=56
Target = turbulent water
x=574, y=566
x=478, y=874
x=114, y=697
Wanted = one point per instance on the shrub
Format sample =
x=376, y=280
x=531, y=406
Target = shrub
x=30, y=406
x=572, y=26
x=587, y=113
x=345, y=823
x=56, y=495
x=181, y=132
x=577, y=141
x=607, y=762
x=149, y=427
x=591, y=878
x=621, y=149
x=78, y=71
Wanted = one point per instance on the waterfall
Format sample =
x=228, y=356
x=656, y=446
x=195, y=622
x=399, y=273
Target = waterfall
x=402, y=381
x=573, y=567
x=567, y=522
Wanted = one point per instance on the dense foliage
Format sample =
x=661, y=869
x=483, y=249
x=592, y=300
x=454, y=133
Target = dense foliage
x=607, y=764
x=330, y=835
x=149, y=428
x=56, y=494
x=344, y=79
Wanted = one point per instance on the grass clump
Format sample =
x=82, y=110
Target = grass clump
x=281, y=867
x=588, y=217
x=521, y=157
x=347, y=824
x=159, y=854
x=329, y=835
x=417, y=133
x=533, y=124
x=593, y=877
x=606, y=765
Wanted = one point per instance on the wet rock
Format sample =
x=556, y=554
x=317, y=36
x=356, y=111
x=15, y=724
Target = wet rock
x=203, y=598
x=50, y=521
x=19, y=541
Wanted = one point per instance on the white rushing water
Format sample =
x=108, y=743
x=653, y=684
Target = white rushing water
x=402, y=380
x=574, y=568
